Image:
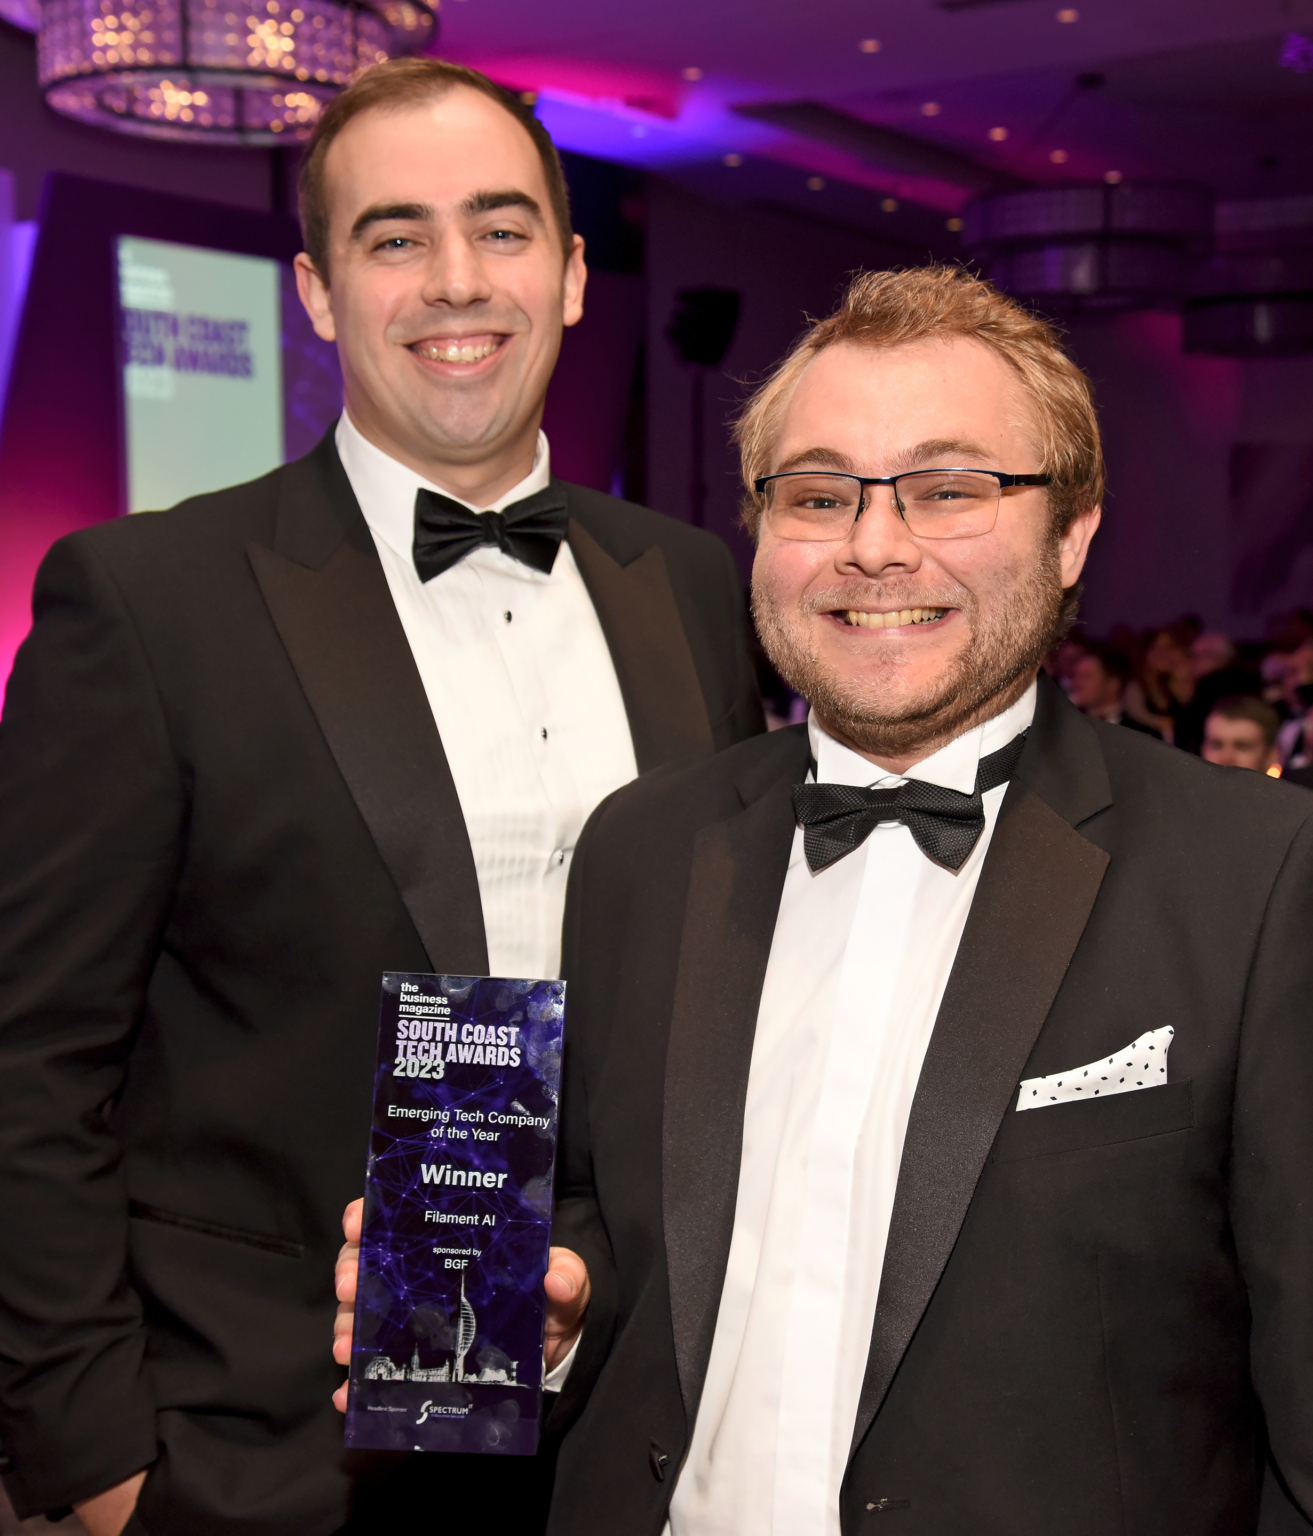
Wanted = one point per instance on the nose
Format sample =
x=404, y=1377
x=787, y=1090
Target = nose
x=455, y=274
x=878, y=541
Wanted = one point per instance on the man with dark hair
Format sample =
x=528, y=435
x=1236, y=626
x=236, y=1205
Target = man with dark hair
x=1217, y=675
x=1241, y=732
x=936, y=1126
x=1098, y=686
x=346, y=719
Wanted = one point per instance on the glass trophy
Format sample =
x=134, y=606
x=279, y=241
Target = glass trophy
x=447, y=1351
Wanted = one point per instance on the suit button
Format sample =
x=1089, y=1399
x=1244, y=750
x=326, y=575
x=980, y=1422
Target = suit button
x=658, y=1461
x=6, y=1462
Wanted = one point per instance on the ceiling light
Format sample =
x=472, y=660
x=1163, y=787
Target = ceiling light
x=930, y=109
x=1251, y=306
x=1068, y=15
x=816, y=183
x=889, y=205
x=691, y=73
x=252, y=72
x=733, y=160
x=22, y=13
x=1112, y=177
x=1058, y=156
x=1090, y=246
x=869, y=45
x=953, y=225
x=998, y=134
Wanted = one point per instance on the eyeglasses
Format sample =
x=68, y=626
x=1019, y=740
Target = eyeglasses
x=934, y=503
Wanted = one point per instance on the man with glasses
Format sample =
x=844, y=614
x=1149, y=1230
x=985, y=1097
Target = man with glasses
x=936, y=1124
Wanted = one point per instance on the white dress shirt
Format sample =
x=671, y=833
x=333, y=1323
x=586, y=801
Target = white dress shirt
x=525, y=697
x=858, y=965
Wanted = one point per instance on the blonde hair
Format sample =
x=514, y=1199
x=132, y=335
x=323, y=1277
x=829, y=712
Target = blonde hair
x=891, y=309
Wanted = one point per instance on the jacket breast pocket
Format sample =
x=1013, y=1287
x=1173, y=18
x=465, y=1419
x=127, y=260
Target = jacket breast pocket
x=1100, y=1122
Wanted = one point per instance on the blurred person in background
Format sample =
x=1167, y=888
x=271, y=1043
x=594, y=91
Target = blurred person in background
x=1295, y=738
x=1216, y=676
x=1097, y=687
x=1241, y=732
x=1061, y=661
x=1166, y=682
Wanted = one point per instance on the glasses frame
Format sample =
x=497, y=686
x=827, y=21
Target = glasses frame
x=1005, y=482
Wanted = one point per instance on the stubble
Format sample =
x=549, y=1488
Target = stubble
x=881, y=717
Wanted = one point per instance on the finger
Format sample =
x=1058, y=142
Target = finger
x=339, y=1398
x=343, y=1329
x=567, y=1288
x=352, y=1219
x=347, y=1271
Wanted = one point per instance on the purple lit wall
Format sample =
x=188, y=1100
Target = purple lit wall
x=588, y=401
x=1174, y=539
x=786, y=269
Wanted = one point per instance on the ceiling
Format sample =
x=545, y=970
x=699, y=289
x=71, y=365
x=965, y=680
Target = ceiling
x=897, y=137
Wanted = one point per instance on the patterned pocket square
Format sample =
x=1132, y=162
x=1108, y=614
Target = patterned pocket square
x=1143, y=1064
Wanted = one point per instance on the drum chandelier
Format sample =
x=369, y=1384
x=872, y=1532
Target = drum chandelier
x=256, y=72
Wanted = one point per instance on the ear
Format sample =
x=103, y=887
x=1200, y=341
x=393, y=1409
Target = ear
x=1074, y=545
x=315, y=297
x=572, y=285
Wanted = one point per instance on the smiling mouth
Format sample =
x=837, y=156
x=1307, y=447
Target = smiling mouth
x=457, y=349
x=894, y=620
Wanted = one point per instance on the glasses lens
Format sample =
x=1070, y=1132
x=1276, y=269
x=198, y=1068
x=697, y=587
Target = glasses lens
x=812, y=506
x=948, y=503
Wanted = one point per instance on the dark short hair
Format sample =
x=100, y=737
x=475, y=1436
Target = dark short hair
x=1243, y=706
x=392, y=87
x=1114, y=662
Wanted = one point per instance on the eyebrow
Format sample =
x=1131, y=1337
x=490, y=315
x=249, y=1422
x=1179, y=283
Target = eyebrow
x=818, y=458
x=511, y=197
x=924, y=453
x=382, y=213
x=420, y=213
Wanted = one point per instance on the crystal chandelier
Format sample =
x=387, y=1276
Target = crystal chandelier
x=255, y=72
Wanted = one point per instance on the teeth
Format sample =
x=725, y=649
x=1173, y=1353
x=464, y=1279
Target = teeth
x=893, y=620
x=455, y=351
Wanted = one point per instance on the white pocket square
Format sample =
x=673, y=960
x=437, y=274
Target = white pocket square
x=1142, y=1064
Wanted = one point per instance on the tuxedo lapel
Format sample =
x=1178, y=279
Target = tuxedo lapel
x=1036, y=890
x=636, y=608
x=329, y=599
x=738, y=873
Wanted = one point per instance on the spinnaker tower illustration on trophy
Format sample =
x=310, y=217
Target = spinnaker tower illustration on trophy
x=447, y=1353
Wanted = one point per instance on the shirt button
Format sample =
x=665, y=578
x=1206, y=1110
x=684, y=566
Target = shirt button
x=507, y=615
x=560, y=856
x=543, y=733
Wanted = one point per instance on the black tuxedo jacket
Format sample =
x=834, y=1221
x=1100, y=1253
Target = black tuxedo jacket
x=224, y=811
x=1095, y=1319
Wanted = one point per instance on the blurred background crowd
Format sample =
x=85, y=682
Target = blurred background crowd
x=1242, y=704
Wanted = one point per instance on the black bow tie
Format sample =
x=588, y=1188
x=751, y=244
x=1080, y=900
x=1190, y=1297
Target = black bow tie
x=530, y=530
x=836, y=818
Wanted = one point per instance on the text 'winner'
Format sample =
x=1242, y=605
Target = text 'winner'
x=447, y=1354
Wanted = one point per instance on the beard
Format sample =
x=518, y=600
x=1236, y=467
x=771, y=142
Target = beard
x=882, y=717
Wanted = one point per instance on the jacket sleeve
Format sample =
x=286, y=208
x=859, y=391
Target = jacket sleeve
x=91, y=818
x=577, y=1221
x=1272, y=1168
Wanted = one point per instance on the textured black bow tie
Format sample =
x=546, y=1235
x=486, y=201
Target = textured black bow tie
x=530, y=530
x=836, y=818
